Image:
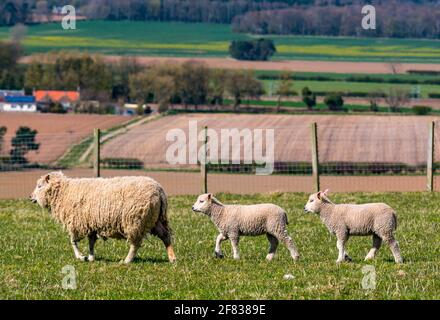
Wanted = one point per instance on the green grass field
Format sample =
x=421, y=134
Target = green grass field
x=209, y=40
x=344, y=86
x=35, y=249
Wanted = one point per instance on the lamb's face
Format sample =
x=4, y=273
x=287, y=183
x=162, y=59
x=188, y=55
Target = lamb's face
x=39, y=195
x=314, y=203
x=202, y=204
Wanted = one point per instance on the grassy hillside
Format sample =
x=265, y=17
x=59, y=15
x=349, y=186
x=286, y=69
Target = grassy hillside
x=35, y=249
x=208, y=40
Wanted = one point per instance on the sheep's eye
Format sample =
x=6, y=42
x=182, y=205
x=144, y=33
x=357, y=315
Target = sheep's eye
x=311, y=200
x=201, y=201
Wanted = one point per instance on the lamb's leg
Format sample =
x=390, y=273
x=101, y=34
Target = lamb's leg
x=131, y=253
x=377, y=242
x=92, y=241
x=273, y=241
x=164, y=233
x=287, y=240
x=234, y=241
x=394, y=246
x=78, y=253
x=340, y=244
x=218, y=250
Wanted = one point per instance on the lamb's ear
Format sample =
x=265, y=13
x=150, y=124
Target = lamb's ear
x=319, y=195
x=209, y=196
x=47, y=178
x=326, y=192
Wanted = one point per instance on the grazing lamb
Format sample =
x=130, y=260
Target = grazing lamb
x=234, y=221
x=121, y=208
x=345, y=220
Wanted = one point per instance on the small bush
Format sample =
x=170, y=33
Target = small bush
x=255, y=50
x=421, y=110
x=434, y=95
x=334, y=101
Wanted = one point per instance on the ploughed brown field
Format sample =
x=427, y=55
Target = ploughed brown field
x=294, y=65
x=285, y=65
x=56, y=132
x=389, y=139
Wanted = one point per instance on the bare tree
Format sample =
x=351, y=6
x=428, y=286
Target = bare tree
x=396, y=98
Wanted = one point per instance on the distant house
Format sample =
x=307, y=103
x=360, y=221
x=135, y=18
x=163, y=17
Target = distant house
x=18, y=104
x=66, y=98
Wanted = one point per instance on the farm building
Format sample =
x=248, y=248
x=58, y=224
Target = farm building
x=14, y=93
x=18, y=103
x=66, y=98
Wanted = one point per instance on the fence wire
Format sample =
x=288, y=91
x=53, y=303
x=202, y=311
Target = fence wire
x=371, y=157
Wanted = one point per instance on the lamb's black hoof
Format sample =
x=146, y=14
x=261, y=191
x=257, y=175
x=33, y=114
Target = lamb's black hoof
x=219, y=255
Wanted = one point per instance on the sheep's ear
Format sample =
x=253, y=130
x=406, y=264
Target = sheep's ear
x=47, y=178
x=326, y=192
x=319, y=195
x=209, y=196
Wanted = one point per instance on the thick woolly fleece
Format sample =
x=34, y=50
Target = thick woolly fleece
x=122, y=207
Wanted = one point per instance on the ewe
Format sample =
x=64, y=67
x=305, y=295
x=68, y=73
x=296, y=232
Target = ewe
x=345, y=220
x=121, y=208
x=234, y=221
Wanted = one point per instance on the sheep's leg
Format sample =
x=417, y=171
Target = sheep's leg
x=234, y=241
x=218, y=250
x=92, y=241
x=131, y=253
x=287, y=240
x=394, y=246
x=377, y=242
x=273, y=241
x=78, y=253
x=164, y=234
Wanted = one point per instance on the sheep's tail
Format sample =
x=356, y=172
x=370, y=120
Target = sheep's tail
x=163, y=216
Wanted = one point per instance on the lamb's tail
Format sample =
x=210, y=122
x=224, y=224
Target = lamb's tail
x=285, y=218
x=395, y=221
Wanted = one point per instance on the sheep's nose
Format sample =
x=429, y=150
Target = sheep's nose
x=192, y=208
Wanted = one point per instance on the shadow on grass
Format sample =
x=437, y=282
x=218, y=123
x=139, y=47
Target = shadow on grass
x=136, y=260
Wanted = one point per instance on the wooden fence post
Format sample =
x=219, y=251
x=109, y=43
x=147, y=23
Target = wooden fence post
x=96, y=153
x=315, y=156
x=203, y=164
x=430, y=163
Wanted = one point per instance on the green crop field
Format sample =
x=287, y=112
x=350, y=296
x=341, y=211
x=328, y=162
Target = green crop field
x=209, y=40
x=344, y=86
x=35, y=249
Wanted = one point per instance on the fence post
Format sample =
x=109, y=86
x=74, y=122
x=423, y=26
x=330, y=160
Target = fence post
x=203, y=164
x=96, y=152
x=430, y=164
x=315, y=156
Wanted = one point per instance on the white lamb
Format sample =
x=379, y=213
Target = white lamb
x=345, y=220
x=234, y=221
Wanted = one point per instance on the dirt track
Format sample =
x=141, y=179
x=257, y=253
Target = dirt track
x=288, y=65
x=16, y=185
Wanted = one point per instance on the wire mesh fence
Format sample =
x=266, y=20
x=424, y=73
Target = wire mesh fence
x=372, y=157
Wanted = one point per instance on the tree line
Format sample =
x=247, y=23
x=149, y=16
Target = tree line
x=395, y=19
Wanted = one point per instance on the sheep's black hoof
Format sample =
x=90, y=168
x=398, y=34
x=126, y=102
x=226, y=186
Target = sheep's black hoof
x=348, y=258
x=219, y=255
